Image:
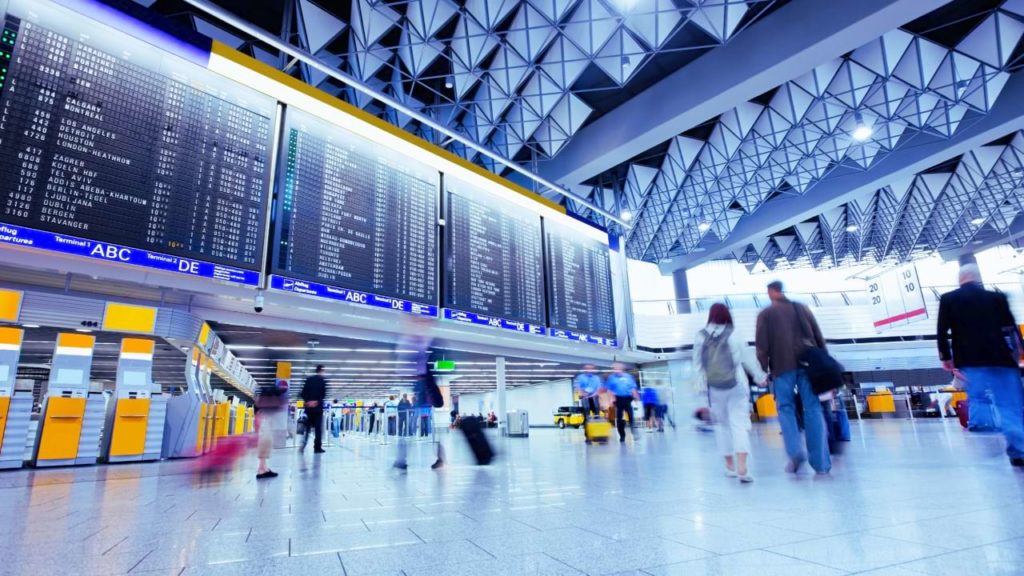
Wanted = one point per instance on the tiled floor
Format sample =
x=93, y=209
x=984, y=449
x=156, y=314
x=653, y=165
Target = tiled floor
x=906, y=498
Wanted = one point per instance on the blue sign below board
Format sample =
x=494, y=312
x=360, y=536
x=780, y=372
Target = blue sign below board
x=29, y=238
x=354, y=296
x=587, y=338
x=471, y=318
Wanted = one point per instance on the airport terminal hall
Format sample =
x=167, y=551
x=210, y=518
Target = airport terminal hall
x=512, y=287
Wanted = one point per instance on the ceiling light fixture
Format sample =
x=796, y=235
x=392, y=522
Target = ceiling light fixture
x=449, y=81
x=852, y=228
x=862, y=131
x=704, y=226
x=626, y=215
x=978, y=221
x=30, y=325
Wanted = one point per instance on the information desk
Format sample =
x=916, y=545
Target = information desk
x=108, y=138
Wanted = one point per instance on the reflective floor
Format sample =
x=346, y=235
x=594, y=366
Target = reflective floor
x=904, y=499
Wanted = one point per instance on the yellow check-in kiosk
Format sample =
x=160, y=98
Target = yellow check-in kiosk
x=135, y=415
x=221, y=415
x=15, y=406
x=189, y=419
x=72, y=416
x=238, y=411
x=250, y=419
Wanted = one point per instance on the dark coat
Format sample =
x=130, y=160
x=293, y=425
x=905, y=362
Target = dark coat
x=981, y=326
x=780, y=339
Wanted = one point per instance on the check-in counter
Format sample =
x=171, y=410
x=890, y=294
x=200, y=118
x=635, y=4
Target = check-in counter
x=15, y=405
x=135, y=415
x=881, y=403
x=188, y=430
x=73, y=410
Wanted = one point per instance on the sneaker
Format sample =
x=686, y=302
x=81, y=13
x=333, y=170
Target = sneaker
x=267, y=474
x=1017, y=462
x=746, y=479
x=438, y=464
x=400, y=465
x=320, y=451
x=730, y=473
x=793, y=466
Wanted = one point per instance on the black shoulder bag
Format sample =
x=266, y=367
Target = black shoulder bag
x=824, y=372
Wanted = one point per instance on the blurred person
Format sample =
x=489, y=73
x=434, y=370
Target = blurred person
x=780, y=339
x=985, y=350
x=417, y=343
x=649, y=400
x=623, y=386
x=588, y=387
x=313, y=393
x=404, y=408
x=270, y=405
x=722, y=360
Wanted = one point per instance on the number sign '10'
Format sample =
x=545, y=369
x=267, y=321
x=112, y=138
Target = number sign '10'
x=896, y=298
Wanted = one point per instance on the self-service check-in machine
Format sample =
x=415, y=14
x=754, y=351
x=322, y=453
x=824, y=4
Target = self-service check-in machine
x=72, y=417
x=135, y=415
x=15, y=406
x=221, y=415
x=189, y=418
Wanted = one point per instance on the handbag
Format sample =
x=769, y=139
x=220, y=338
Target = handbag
x=824, y=372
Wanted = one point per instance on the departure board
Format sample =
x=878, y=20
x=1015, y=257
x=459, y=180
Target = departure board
x=579, y=282
x=354, y=214
x=494, y=257
x=108, y=138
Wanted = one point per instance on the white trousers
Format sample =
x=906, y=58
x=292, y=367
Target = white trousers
x=730, y=411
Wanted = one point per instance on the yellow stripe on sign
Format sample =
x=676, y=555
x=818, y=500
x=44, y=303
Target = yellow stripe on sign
x=10, y=305
x=229, y=53
x=10, y=337
x=137, y=346
x=69, y=340
x=129, y=318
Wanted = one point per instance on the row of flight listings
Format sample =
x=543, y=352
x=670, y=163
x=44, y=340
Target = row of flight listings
x=117, y=149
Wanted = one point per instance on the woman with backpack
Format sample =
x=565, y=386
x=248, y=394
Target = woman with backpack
x=722, y=360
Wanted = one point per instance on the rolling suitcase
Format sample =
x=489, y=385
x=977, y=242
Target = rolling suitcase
x=597, y=429
x=473, y=429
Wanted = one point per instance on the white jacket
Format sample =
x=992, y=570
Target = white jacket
x=742, y=356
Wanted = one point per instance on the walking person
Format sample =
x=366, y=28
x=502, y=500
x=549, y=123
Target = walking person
x=649, y=400
x=425, y=394
x=588, y=386
x=780, y=339
x=623, y=386
x=722, y=360
x=984, y=353
x=314, y=391
x=270, y=406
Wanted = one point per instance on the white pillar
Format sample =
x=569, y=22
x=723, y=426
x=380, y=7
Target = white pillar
x=499, y=368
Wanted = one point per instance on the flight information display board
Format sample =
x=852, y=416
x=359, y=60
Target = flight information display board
x=357, y=216
x=580, y=302
x=117, y=147
x=493, y=272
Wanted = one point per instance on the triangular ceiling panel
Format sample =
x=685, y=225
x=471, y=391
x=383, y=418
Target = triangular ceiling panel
x=318, y=25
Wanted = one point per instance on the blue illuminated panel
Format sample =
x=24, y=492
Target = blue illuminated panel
x=352, y=296
x=586, y=338
x=28, y=238
x=472, y=318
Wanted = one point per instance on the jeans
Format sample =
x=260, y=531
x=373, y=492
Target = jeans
x=624, y=408
x=314, y=424
x=785, y=386
x=1003, y=386
x=980, y=413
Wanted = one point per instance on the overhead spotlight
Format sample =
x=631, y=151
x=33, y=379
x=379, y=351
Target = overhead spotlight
x=449, y=81
x=626, y=215
x=852, y=228
x=626, y=62
x=704, y=226
x=978, y=221
x=862, y=131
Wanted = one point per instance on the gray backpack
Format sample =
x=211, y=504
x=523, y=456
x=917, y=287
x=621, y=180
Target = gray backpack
x=716, y=357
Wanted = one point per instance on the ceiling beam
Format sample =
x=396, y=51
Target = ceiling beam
x=787, y=43
x=1007, y=116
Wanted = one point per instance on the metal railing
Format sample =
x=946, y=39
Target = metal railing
x=379, y=425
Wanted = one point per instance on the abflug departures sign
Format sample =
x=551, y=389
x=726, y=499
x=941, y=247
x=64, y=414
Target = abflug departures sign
x=356, y=222
x=113, y=149
x=580, y=301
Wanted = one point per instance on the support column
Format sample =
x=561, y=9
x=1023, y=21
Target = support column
x=682, y=289
x=499, y=368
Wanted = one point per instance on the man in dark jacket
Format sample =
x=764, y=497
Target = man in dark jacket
x=783, y=329
x=985, y=351
x=314, y=391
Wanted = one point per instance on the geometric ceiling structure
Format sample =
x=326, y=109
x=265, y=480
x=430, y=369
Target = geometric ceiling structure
x=828, y=91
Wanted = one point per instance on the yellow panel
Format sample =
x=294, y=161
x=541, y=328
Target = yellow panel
x=237, y=57
x=10, y=336
x=137, y=346
x=881, y=403
x=70, y=340
x=62, y=428
x=284, y=370
x=239, y=421
x=130, y=423
x=222, y=418
x=10, y=305
x=5, y=405
x=204, y=334
x=201, y=435
x=129, y=318
x=766, y=406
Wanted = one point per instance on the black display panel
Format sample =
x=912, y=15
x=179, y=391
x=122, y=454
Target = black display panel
x=494, y=260
x=107, y=138
x=354, y=214
x=579, y=282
